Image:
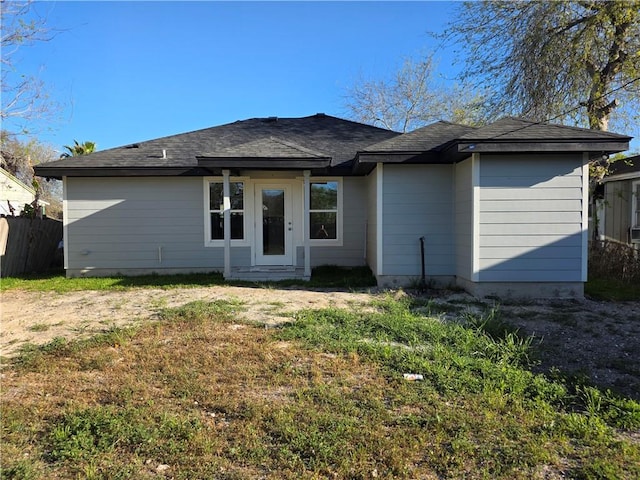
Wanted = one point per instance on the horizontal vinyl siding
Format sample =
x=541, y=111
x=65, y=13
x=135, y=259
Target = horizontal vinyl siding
x=530, y=218
x=418, y=201
x=120, y=223
x=464, y=219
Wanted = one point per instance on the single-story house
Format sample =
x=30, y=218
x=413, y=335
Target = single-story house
x=619, y=216
x=501, y=209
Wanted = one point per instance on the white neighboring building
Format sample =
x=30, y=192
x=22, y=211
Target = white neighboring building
x=15, y=193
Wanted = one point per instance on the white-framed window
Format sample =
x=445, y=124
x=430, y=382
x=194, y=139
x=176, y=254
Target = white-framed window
x=635, y=204
x=325, y=211
x=214, y=211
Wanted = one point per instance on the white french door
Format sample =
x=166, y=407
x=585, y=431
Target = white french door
x=274, y=229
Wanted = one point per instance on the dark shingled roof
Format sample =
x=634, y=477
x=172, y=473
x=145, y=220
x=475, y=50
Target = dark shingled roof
x=266, y=148
x=314, y=136
x=431, y=137
x=514, y=129
x=327, y=145
x=624, y=166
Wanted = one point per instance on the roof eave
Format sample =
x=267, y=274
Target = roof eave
x=621, y=177
x=59, y=172
x=543, y=146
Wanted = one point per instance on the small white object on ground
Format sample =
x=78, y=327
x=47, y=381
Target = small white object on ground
x=412, y=376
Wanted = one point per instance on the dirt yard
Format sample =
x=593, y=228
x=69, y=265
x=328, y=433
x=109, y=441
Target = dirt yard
x=600, y=340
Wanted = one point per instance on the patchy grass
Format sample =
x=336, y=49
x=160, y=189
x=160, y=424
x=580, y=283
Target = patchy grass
x=334, y=276
x=199, y=395
x=39, y=327
x=321, y=277
x=612, y=290
x=59, y=283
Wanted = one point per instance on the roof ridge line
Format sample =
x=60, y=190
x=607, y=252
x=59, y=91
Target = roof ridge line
x=299, y=147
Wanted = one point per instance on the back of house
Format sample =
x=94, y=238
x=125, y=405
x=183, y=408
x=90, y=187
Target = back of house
x=499, y=210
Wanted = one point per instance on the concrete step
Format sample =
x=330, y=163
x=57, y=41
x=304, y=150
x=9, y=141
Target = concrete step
x=267, y=273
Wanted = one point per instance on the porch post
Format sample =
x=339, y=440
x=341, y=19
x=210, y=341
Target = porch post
x=226, y=209
x=305, y=224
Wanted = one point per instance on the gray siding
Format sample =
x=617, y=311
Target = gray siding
x=617, y=216
x=418, y=201
x=464, y=219
x=120, y=224
x=530, y=218
x=372, y=221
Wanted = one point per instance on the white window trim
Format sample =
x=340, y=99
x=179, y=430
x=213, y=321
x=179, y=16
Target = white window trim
x=246, y=241
x=634, y=201
x=333, y=242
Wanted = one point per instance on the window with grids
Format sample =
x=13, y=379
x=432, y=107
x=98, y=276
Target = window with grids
x=323, y=211
x=216, y=210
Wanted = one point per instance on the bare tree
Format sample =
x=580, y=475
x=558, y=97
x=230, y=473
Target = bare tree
x=23, y=95
x=570, y=60
x=411, y=98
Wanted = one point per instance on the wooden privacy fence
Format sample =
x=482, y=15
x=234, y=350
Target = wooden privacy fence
x=28, y=245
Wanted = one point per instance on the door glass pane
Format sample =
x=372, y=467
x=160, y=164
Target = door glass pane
x=273, y=225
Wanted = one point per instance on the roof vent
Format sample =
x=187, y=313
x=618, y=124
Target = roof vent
x=321, y=114
x=272, y=119
x=133, y=145
x=164, y=153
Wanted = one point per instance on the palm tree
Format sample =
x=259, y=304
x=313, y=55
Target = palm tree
x=78, y=149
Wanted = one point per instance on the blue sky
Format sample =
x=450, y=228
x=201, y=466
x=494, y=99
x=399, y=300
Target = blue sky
x=131, y=71
x=124, y=72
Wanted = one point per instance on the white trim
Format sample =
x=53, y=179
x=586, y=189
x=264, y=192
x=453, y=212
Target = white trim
x=289, y=256
x=333, y=242
x=226, y=212
x=475, y=185
x=18, y=183
x=305, y=221
x=622, y=176
x=585, y=216
x=65, y=223
x=379, y=218
x=246, y=241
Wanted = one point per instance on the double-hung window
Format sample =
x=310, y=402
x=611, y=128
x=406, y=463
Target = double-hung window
x=215, y=203
x=325, y=212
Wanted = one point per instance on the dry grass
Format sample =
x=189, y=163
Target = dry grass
x=199, y=394
x=615, y=261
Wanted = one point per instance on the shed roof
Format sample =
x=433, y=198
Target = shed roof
x=627, y=168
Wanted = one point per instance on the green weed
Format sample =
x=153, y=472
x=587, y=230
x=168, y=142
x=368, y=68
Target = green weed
x=322, y=397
